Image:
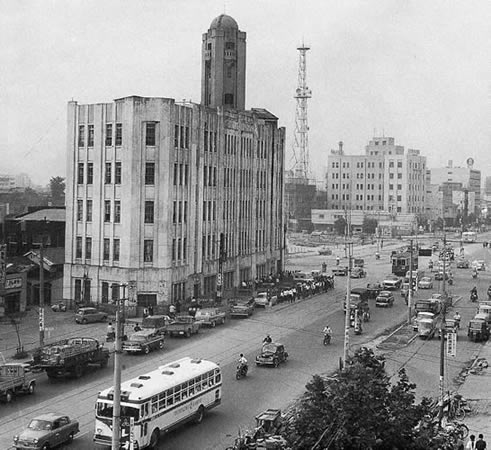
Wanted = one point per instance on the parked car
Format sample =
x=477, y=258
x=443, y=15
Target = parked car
x=47, y=431
x=392, y=282
x=86, y=315
x=480, y=264
x=58, y=307
x=340, y=271
x=425, y=283
x=358, y=272
x=211, y=316
x=158, y=323
x=440, y=275
x=463, y=263
x=272, y=354
x=264, y=299
x=243, y=307
x=144, y=341
x=385, y=299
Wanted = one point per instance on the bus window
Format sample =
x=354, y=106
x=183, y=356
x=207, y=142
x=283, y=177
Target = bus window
x=130, y=411
x=177, y=393
x=155, y=404
x=218, y=376
x=170, y=397
x=104, y=410
x=161, y=401
x=198, y=384
x=184, y=389
x=191, y=386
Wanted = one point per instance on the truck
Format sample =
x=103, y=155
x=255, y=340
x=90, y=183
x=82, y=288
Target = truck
x=70, y=357
x=431, y=305
x=16, y=378
x=183, y=326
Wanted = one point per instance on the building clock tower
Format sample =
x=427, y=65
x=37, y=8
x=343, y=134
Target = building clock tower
x=223, y=65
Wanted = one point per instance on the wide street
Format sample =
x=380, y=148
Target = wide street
x=298, y=326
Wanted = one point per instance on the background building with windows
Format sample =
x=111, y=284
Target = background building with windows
x=386, y=178
x=161, y=196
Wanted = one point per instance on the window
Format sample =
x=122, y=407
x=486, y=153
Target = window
x=81, y=135
x=150, y=173
x=176, y=136
x=150, y=133
x=119, y=134
x=109, y=134
x=107, y=244
x=90, y=173
x=117, y=173
x=91, y=136
x=80, y=173
x=149, y=211
x=148, y=250
x=88, y=216
x=399, y=198
x=80, y=210
x=399, y=186
x=78, y=247
x=107, y=210
x=399, y=175
x=117, y=211
x=88, y=248
x=104, y=291
x=229, y=99
x=399, y=164
x=116, y=248
x=108, y=173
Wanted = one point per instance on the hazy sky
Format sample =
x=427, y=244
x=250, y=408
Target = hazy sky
x=416, y=70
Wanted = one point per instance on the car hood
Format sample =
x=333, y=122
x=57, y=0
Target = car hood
x=29, y=435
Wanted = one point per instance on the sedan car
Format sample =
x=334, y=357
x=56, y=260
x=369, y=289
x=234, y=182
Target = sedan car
x=86, y=315
x=143, y=342
x=358, y=272
x=385, y=299
x=264, y=299
x=58, y=307
x=463, y=264
x=392, y=282
x=47, y=431
x=425, y=283
x=272, y=354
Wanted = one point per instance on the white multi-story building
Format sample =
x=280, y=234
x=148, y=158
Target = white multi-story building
x=170, y=199
x=385, y=178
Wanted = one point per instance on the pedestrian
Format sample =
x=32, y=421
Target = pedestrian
x=472, y=442
x=172, y=310
x=150, y=310
x=480, y=443
x=136, y=328
x=145, y=312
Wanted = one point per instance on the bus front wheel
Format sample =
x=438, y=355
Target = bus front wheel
x=154, y=439
x=200, y=414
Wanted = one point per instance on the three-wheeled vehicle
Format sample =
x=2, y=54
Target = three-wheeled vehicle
x=478, y=330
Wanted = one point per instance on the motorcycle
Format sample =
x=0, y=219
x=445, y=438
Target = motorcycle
x=474, y=274
x=327, y=339
x=241, y=371
x=473, y=296
x=110, y=337
x=377, y=255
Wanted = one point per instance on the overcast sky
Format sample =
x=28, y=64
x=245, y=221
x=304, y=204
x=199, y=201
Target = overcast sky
x=416, y=70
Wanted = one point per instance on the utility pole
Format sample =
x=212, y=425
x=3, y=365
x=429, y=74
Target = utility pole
x=41, y=291
x=442, y=333
x=347, y=321
x=116, y=437
x=410, y=290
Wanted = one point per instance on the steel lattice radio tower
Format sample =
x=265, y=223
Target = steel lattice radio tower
x=302, y=94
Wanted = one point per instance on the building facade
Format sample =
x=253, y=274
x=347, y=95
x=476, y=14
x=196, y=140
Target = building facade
x=172, y=199
x=385, y=178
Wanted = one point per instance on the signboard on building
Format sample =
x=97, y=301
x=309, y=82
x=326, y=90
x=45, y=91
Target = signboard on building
x=13, y=283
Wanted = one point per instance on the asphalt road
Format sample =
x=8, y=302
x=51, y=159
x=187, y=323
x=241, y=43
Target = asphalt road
x=298, y=326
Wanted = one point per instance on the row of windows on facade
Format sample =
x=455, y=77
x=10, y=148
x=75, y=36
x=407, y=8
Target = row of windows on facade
x=243, y=144
x=147, y=249
x=371, y=164
x=109, y=175
x=150, y=135
x=413, y=198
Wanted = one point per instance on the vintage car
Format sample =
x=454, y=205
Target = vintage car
x=385, y=299
x=144, y=341
x=374, y=289
x=87, y=315
x=264, y=299
x=326, y=251
x=157, y=322
x=211, y=317
x=450, y=327
x=440, y=275
x=242, y=307
x=425, y=283
x=421, y=315
x=272, y=354
x=478, y=330
x=392, y=283
x=46, y=431
x=340, y=271
x=463, y=263
x=358, y=272
x=426, y=326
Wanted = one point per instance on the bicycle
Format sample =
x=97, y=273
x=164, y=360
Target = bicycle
x=456, y=408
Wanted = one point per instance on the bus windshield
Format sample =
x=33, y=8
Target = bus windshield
x=106, y=410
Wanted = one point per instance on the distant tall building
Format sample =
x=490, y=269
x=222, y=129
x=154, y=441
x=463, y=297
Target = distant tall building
x=173, y=200
x=385, y=178
x=469, y=177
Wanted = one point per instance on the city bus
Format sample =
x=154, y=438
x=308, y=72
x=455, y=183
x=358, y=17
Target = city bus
x=469, y=236
x=159, y=401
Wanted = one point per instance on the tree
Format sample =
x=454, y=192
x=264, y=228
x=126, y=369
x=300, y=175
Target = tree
x=369, y=226
x=359, y=408
x=340, y=225
x=57, y=189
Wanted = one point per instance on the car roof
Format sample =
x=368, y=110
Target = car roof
x=87, y=309
x=146, y=332
x=49, y=416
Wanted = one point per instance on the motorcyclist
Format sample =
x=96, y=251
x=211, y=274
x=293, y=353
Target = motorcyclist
x=457, y=318
x=242, y=362
x=474, y=272
x=377, y=255
x=474, y=293
x=337, y=260
x=327, y=331
x=110, y=332
x=267, y=340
